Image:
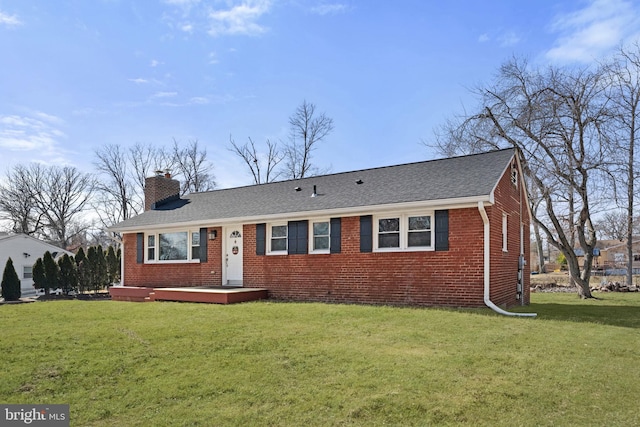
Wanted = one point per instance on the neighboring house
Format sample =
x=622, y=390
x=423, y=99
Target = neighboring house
x=450, y=232
x=24, y=250
x=612, y=254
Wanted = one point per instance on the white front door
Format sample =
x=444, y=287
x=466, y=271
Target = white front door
x=232, y=255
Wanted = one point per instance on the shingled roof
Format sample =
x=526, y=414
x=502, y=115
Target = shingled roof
x=446, y=180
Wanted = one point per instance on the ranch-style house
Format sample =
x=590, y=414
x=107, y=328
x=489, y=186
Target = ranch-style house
x=450, y=232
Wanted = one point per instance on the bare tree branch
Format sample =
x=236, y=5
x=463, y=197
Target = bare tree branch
x=261, y=166
x=193, y=167
x=307, y=130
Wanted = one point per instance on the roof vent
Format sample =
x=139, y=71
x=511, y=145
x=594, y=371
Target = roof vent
x=359, y=181
x=297, y=188
x=315, y=193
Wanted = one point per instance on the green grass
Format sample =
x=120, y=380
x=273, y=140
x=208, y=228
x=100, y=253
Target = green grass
x=279, y=364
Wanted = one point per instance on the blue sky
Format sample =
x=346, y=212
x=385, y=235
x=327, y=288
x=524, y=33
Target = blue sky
x=78, y=74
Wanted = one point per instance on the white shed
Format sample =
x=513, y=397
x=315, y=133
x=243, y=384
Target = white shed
x=24, y=250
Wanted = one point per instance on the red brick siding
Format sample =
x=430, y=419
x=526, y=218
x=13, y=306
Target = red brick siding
x=504, y=265
x=448, y=278
x=178, y=274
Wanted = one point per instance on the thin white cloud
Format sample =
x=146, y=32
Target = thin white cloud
x=508, y=39
x=154, y=63
x=143, y=81
x=228, y=17
x=592, y=31
x=483, y=38
x=9, y=20
x=240, y=18
x=182, y=2
x=37, y=134
x=329, y=8
x=164, y=95
x=199, y=100
x=187, y=27
x=139, y=81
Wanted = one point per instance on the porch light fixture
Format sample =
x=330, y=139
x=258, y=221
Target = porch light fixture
x=213, y=234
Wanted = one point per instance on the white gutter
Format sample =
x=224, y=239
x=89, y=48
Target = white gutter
x=487, y=264
x=453, y=203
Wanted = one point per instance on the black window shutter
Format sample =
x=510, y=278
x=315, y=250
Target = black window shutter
x=261, y=238
x=203, y=245
x=303, y=237
x=298, y=237
x=140, y=248
x=335, y=235
x=366, y=233
x=442, y=230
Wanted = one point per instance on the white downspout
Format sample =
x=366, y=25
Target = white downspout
x=122, y=262
x=487, y=264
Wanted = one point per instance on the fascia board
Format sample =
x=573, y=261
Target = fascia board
x=454, y=203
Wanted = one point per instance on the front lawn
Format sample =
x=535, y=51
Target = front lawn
x=285, y=364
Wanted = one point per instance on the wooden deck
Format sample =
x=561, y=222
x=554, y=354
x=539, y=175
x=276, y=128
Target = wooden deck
x=205, y=294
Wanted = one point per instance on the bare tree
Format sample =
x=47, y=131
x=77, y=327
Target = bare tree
x=261, y=166
x=145, y=159
x=613, y=225
x=307, y=130
x=555, y=118
x=17, y=203
x=61, y=195
x=117, y=198
x=623, y=73
x=192, y=165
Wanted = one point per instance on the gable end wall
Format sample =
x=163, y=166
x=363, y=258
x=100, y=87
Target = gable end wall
x=504, y=265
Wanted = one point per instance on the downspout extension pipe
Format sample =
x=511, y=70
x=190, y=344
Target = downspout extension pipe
x=487, y=264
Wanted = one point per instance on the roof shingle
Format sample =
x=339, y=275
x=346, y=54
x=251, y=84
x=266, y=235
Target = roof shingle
x=452, y=178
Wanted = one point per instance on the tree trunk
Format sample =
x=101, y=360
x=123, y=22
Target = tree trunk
x=584, y=291
x=630, y=200
x=578, y=278
x=539, y=248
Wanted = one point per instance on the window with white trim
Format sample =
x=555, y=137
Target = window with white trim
x=504, y=232
x=404, y=232
x=195, y=245
x=419, y=231
x=321, y=236
x=27, y=272
x=173, y=246
x=389, y=232
x=278, y=239
x=151, y=247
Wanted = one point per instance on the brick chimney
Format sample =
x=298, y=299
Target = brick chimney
x=160, y=188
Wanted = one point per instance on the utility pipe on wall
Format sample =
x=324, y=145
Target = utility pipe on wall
x=487, y=264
